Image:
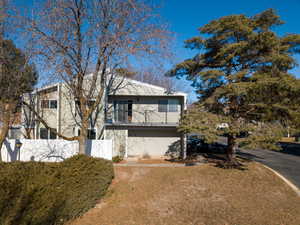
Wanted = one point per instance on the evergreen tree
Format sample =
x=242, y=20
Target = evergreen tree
x=241, y=77
x=17, y=77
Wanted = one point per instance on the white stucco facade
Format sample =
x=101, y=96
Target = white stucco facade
x=141, y=119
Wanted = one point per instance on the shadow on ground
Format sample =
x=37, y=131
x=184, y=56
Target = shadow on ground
x=290, y=148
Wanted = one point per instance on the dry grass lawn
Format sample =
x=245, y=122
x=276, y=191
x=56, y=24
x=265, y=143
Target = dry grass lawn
x=202, y=195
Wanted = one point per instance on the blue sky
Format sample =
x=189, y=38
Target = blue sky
x=186, y=16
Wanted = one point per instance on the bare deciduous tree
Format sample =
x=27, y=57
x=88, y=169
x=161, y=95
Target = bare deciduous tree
x=84, y=43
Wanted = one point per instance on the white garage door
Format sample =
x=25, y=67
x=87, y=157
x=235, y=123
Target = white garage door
x=154, y=143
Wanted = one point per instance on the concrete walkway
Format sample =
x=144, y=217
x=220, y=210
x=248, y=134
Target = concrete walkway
x=132, y=164
x=148, y=165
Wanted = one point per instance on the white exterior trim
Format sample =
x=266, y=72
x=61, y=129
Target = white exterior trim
x=177, y=93
x=45, y=87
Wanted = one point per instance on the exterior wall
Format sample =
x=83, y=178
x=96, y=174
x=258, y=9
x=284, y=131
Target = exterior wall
x=153, y=143
x=119, y=138
x=49, y=115
x=67, y=112
x=145, y=109
x=145, y=99
x=70, y=119
x=64, y=118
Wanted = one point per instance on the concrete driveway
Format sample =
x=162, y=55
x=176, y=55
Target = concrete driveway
x=286, y=161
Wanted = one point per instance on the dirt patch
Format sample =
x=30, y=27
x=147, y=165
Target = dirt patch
x=196, y=195
x=130, y=175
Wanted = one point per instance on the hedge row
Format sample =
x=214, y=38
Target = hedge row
x=38, y=193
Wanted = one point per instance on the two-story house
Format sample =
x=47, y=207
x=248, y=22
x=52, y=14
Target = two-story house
x=140, y=118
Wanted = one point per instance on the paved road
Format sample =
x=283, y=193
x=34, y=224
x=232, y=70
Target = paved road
x=286, y=162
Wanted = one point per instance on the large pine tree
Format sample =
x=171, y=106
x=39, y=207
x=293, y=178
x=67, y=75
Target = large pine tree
x=242, y=79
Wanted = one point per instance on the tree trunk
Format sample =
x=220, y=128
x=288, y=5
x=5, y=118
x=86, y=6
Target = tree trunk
x=28, y=132
x=3, y=135
x=231, y=148
x=83, y=137
x=6, y=116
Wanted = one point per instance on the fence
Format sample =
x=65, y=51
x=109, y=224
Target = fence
x=52, y=150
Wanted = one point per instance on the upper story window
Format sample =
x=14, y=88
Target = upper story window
x=168, y=105
x=47, y=134
x=123, y=111
x=90, y=103
x=49, y=104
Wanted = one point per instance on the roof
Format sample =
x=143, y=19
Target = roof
x=156, y=87
x=152, y=86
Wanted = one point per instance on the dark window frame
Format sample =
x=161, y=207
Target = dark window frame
x=53, y=104
x=90, y=136
x=168, y=105
x=123, y=110
x=173, y=105
x=163, y=105
x=49, y=104
x=47, y=134
x=45, y=104
x=44, y=133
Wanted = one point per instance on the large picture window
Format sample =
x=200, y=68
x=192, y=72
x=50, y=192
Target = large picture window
x=168, y=105
x=123, y=111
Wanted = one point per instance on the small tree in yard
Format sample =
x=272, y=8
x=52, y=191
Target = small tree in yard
x=241, y=76
x=84, y=43
x=16, y=77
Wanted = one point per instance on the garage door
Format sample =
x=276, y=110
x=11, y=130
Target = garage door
x=154, y=143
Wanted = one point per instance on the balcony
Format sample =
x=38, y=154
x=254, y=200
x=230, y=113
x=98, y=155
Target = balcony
x=141, y=119
x=138, y=124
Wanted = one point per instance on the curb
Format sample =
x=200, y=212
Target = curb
x=289, y=183
x=156, y=165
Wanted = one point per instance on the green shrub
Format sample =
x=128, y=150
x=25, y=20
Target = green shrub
x=117, y=159
x=51, y=193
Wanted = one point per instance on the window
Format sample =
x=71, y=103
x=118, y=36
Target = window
x=47, y=134
x=91, y=134
x=123, y=111
x=53, y=104
x=129, y=110
x=163, y=106
x=52, y=135
x=44, y=104
x=90, y=103
x=173, y=105
x=43, y=133
x=49, y=104
x=168, y=105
